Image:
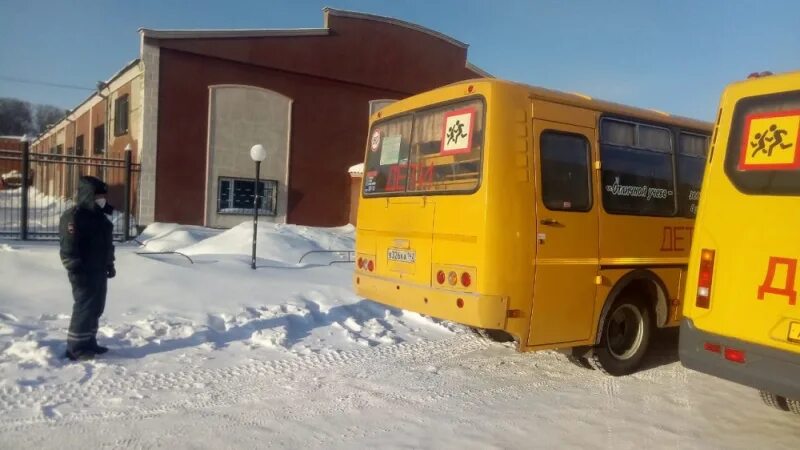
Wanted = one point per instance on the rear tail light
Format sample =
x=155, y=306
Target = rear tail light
x=734, y=355
x=466, y=279
x=370, y=266
x=713, y=348
x=704, y=278
x=360, y=263
x=440, y=277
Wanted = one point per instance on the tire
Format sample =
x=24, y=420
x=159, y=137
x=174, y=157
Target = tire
x=793, y=405
x=625, y=337
x=774, y=401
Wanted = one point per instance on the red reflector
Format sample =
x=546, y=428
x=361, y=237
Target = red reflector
x=460, y=303
x=715, y=348
x=370, y=266
x=704, y=278
x=466, y=279
x=440, y=277
x=470, y=89
x=358, y=280
x=736, y=356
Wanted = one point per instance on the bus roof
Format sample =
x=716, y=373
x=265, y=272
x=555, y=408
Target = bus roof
x=584, y=101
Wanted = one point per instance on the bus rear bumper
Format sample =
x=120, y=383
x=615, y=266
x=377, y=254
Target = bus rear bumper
x=766, y=369
x=481, y=311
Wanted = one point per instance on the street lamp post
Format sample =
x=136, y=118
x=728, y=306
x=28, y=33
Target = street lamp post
x=258, y=154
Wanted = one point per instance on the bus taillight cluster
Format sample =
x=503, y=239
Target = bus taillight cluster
x=365, y=263
x=704, y=278
x=452, y=278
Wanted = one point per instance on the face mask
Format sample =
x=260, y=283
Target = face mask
x=101, y=202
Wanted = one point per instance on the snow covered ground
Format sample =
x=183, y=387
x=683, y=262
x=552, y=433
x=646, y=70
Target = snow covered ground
x=212, y=354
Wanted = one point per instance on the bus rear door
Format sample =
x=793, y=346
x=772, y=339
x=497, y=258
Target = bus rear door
x=567, y=234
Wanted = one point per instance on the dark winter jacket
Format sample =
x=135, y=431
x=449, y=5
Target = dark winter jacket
x=87, y=245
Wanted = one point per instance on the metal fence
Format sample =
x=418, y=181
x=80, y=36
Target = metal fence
x=31, y=206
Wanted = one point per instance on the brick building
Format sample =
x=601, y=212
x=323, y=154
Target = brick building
x=195, y=101
x=9, y=145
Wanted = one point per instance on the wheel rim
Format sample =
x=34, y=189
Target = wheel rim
x=625, y=331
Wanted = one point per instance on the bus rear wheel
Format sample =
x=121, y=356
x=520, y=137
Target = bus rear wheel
x=625, y=337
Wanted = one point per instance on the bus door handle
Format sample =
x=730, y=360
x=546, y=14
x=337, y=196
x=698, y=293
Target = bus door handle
x=551, y=222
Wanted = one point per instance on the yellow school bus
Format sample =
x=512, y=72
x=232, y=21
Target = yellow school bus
x=561, y=220
x=742, y=320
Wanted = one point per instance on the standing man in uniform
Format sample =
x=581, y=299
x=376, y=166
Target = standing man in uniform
x=87, y=252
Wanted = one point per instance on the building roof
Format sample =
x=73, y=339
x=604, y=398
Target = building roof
x=240, y=33
x=392, y=21
x=278, y=32
x=585, y=101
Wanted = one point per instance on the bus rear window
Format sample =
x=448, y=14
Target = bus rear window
x=430, y=151
x=763, y=157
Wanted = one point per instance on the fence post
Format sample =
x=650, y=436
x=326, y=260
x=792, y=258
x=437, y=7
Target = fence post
x=26, y=169
x=126, y=227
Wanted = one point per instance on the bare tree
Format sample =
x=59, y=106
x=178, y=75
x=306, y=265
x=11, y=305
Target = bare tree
x=47, y=115
x=16, y=117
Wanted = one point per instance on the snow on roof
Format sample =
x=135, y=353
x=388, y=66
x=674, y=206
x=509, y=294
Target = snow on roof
x=358, y=169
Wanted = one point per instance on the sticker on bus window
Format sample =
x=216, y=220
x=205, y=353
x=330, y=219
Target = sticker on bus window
x=375, y=142
x=390, y=150
x=771, y=141
x=457, y=131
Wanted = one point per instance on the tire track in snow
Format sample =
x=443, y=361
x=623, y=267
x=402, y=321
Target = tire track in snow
x=217, y=387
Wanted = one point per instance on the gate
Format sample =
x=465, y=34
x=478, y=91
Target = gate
x=31, y=205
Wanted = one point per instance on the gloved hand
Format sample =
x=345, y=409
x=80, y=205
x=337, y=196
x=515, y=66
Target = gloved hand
x=111, y=272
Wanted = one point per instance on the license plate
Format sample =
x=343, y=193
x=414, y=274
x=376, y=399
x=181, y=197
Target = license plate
x=403, y=256
x=794, y=332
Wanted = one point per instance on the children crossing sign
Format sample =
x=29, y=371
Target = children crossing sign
x=771, y=141
x=457, y=131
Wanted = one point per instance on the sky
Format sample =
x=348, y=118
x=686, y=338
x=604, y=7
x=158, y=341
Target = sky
x=674, y=56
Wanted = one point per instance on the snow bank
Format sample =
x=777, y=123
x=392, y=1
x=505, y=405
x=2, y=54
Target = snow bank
x=358, y=169
x=168, y=237
x=279, y=243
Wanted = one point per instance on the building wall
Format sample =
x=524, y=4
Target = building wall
x=240, y=114
x=331, y=75
x=57, y=179
x=12, y=145
x=150, y=59
x=355, y=195
x=329, y=127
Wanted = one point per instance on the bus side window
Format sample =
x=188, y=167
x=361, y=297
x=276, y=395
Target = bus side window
x=566, y=185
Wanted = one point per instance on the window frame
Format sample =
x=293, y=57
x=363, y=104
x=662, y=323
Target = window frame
x=247, y=211
x=118, y=114
x=673, y=159
x=413, y=113
x=79, y=145
x=101, y=149
x=705, y=158
x=590, y=179
x=747, y=182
